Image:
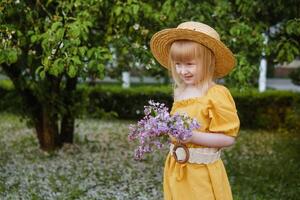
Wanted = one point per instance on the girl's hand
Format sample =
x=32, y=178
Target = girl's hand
x=171, y=137
x=188, y=140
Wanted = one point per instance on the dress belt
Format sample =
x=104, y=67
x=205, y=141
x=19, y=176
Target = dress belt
x=204, y=155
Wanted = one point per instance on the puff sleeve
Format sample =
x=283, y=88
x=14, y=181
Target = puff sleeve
x=222, y=113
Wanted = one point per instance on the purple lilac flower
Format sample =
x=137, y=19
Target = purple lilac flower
x=156, y=126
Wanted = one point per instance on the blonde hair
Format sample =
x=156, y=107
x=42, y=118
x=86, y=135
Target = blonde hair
x=186, y=50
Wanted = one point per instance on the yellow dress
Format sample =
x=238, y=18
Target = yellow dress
x=216, y=112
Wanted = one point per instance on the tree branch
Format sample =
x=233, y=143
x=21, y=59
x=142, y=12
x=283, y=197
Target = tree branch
x=44, y=9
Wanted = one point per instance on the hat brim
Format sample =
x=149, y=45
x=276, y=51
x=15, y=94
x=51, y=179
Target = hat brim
x=161, y=42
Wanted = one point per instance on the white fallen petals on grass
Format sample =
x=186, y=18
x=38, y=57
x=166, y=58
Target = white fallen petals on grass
x=99, y=165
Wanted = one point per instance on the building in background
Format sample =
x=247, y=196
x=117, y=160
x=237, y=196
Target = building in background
x=283, y=70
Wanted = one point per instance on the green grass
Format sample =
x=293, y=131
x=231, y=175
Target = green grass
x=261, y=165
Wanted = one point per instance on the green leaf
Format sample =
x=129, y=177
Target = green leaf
x=57, y=67
x=82, y=51
x=37, y=71
x=53, y=71
x=76, y=60
x=12, y=56
x=60, y=34
x=42, y=74
x=74, y=31
x=90, y=52
x=135, y=8
x=118, y=10
x=100, y=68
x=56, y=25
x=72, y=71
x=2, y=56
x=60, y=65
x=92, y=64
x=153, y=113
x=33, y=38
x=45, y=62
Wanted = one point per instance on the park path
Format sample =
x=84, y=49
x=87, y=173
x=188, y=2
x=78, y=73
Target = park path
x=282, y=84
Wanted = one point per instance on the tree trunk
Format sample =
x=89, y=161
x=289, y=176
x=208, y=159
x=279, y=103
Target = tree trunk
x=68, y=120
x=46, y=125
x=67, y=129
x=43, y=114
x=47, y=131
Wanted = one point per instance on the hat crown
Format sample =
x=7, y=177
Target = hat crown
x=200, y=27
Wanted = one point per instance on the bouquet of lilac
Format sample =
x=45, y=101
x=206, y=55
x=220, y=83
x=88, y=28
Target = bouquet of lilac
x=156, y=126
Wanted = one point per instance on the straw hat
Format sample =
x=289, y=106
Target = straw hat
x=195, y=31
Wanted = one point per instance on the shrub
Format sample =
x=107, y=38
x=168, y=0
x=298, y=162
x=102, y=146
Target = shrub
x=295, y=76
x=269, y=110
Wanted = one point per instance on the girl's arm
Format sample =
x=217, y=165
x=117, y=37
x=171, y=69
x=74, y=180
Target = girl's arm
x=215, y=140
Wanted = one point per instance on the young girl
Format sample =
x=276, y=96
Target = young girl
x=195, y=56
